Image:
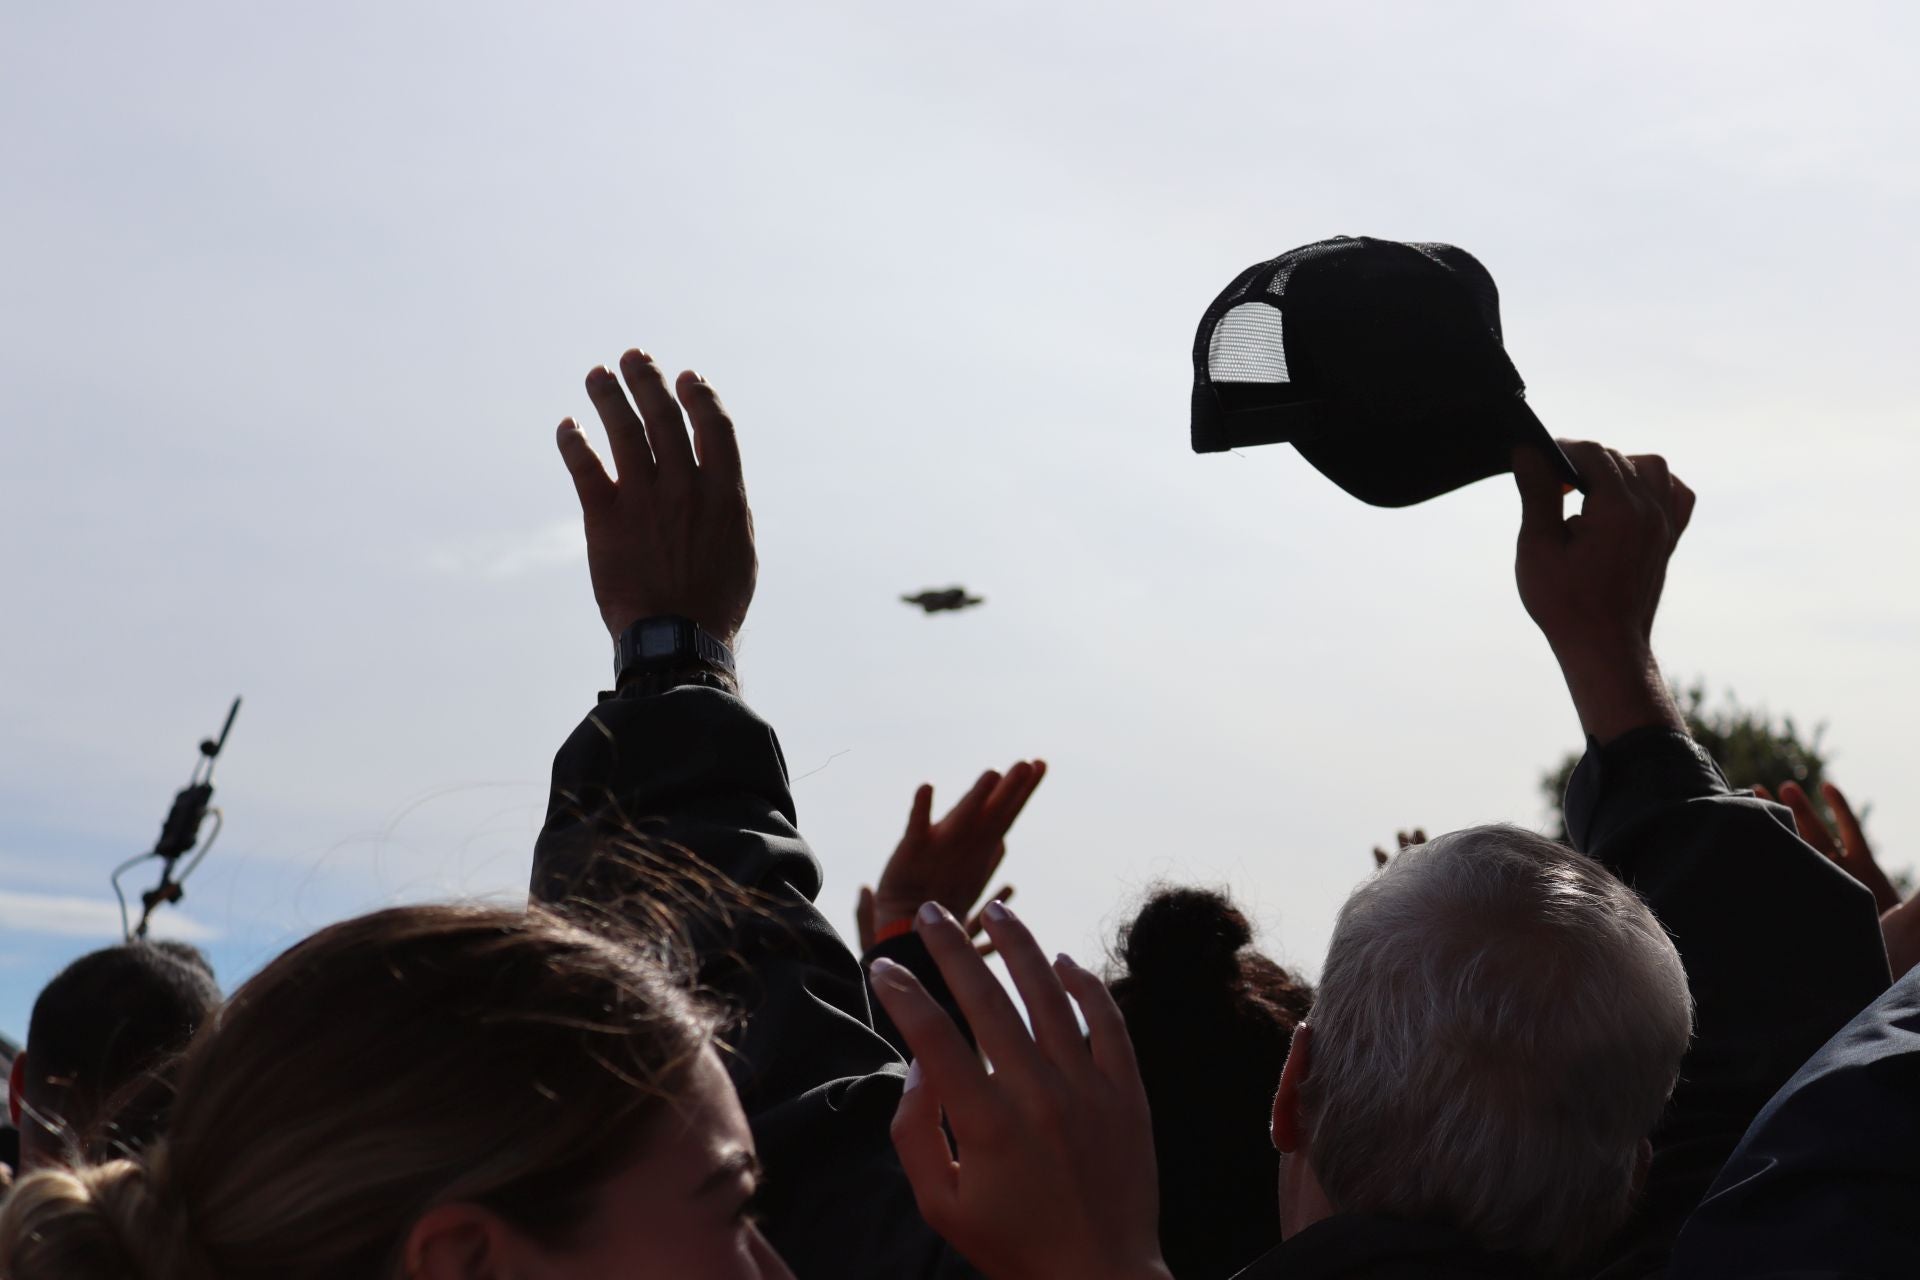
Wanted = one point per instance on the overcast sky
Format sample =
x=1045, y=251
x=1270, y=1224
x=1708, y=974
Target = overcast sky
x=291, y=299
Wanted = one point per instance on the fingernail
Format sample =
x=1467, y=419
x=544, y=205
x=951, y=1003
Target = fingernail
x=931, y=913
x=888, y=973
x=998, y=912
x=1066, y=960
x=913, y=1077
x=600, y=374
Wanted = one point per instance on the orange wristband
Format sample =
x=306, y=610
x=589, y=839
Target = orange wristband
x=895, y=929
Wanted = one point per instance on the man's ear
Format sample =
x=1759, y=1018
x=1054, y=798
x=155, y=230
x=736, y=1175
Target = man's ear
x=1289, y=1130
x=460, y=1242
x=1642, y=1166
x=16, y=1085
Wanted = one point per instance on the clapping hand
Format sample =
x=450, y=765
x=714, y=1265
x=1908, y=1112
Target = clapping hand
x=1050, y=1173
x=950, y=861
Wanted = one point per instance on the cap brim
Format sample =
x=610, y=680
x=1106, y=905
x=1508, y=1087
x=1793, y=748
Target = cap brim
x=1528, y=429
x=1401, y=465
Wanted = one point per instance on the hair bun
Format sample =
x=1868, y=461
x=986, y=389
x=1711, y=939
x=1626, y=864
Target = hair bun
x=98, y=1222
x=1188, y=937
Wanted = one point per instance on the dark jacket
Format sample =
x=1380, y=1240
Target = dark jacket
x=695, y=767
x=1781, y=949
x=1827, y=1181
x=1780, y=946
x=1358, y=1246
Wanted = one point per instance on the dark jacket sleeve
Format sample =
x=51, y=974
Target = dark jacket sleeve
x=703, y=779
x=909, y=951
x=1781, y=949
x=1827, y=1181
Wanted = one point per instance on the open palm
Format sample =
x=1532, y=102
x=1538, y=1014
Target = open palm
x=950, y=861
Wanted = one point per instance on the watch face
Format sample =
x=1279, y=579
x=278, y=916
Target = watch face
x=661, y=641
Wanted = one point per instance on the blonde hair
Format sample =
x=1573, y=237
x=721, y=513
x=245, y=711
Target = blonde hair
x=409, y=1058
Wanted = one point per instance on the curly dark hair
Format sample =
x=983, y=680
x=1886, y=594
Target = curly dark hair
x=1211, y=1020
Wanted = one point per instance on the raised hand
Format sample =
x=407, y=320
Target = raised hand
x=671, y=535
x=1592, y=582
x=949, y=861
x=1050, y=1174
x=1405, y=840
x=1846, y=845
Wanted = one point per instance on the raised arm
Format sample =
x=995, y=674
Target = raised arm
x=677, y=758
x=1781, y=947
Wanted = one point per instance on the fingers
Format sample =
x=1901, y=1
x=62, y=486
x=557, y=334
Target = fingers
x=921, y=1143
x=1055, y=1029
x=660, y=413
x=1852, y=838
x=977, y=921
x=920, y=817
x=590, y=479
x=863, y=912
x=1379, y=856
x=1602, y=468
x=1683, y=500
x=946, y=1060
x=625, y=435
x=1675, y=499
x=1812, y=829
x=1010, y=796
x=715, y=445
x=1408, y=839
x=1107, y=1036
x=964, y=813
x=1542, y=500
x=984, y=1002
x=1856, y=854
x=1649, y=472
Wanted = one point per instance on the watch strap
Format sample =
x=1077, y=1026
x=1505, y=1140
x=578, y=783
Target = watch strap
x=666, y=642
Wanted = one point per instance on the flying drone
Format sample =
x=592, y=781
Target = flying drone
x=950, y=600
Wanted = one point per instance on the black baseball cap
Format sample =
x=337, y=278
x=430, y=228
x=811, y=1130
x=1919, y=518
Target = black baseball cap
x=1380, y=362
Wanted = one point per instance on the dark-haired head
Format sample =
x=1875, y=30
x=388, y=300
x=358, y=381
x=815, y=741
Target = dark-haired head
x=1210, y=1020
x=104, y=1030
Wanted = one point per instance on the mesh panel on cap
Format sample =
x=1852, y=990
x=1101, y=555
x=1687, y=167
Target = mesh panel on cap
x=1247, y=346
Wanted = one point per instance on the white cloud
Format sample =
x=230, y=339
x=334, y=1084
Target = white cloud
x=72, y=917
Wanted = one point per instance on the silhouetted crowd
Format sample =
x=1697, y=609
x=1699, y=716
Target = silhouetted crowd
x=1674, y=1047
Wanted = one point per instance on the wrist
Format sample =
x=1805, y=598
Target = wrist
x=1617, y=687
x=619, y=619
x=668, y=645
x=888, y=930
x=891, y=913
